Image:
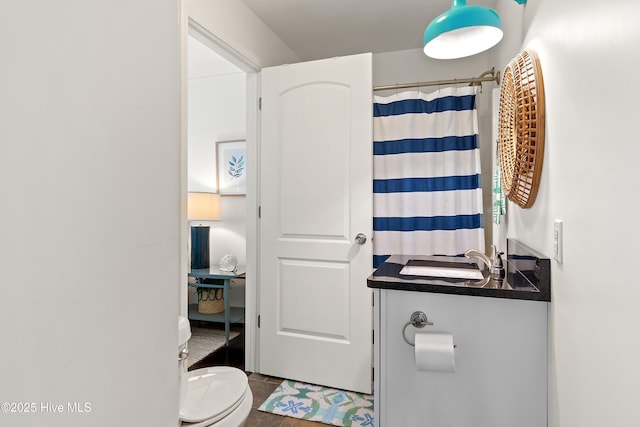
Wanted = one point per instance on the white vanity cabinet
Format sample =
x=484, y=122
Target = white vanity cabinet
x=500, y=379
x=499, y=330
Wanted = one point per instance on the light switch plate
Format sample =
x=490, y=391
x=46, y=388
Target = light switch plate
x=557, y=240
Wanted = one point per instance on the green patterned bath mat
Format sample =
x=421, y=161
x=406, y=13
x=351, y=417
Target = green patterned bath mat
x=321, y=404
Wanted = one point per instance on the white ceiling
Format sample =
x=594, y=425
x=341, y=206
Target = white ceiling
x=317, y=29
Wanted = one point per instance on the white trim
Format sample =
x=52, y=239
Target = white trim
x=208, y=38
x=184, y=85
x=191, y=24
x=252, y=225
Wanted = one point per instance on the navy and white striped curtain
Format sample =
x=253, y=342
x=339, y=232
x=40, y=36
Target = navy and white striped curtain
x=427, y=187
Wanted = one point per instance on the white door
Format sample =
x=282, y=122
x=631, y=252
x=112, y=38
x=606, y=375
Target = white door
x=315, y=185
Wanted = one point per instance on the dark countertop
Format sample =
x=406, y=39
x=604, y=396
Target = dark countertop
x=528, y=276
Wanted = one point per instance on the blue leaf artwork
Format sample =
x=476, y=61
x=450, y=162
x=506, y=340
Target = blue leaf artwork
x=231, y=170
x=235, y=167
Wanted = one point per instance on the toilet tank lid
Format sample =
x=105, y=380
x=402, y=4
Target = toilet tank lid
x=184, y=331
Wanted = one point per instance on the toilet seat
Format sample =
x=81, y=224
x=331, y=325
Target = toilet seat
x=212, y=394
x=236, y=418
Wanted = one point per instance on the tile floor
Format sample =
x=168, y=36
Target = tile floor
x=261, y=386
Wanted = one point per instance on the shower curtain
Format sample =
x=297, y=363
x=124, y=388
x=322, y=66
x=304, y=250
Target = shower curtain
x=426, y=174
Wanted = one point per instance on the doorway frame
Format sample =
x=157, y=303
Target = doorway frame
x=192, y=20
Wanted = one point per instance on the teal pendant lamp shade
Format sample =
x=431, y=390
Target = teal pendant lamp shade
x=462, y=31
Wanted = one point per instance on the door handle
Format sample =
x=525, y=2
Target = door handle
x=361, y=238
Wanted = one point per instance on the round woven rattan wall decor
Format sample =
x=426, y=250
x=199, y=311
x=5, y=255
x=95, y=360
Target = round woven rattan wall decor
x=521, y=127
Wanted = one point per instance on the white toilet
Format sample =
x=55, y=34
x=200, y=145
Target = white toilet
x=218, y=396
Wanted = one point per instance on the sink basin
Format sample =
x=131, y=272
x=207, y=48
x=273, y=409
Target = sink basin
x=445, y=269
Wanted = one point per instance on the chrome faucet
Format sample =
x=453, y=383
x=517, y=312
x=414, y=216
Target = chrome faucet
x=494, y=264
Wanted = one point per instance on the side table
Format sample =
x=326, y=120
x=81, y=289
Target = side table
x=230, y=314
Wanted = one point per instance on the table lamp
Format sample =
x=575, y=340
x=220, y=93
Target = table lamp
x=202, y=207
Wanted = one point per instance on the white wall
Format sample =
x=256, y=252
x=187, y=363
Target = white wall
x=588, y=52
x=217, y=112
x=90, y=218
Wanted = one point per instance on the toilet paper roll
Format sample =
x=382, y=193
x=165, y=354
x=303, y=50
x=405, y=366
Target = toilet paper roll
x=434, y=352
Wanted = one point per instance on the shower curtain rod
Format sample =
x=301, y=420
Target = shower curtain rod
x=487, y=76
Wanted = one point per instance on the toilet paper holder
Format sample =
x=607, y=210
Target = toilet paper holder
x=419, y=320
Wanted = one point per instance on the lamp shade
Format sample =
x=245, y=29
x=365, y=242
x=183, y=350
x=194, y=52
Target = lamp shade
x=462, y=31
x=203, y=207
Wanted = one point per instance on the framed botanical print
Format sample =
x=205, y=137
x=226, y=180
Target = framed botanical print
x=231, y=167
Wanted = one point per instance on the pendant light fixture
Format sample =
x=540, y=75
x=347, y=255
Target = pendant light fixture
x=462, y=31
